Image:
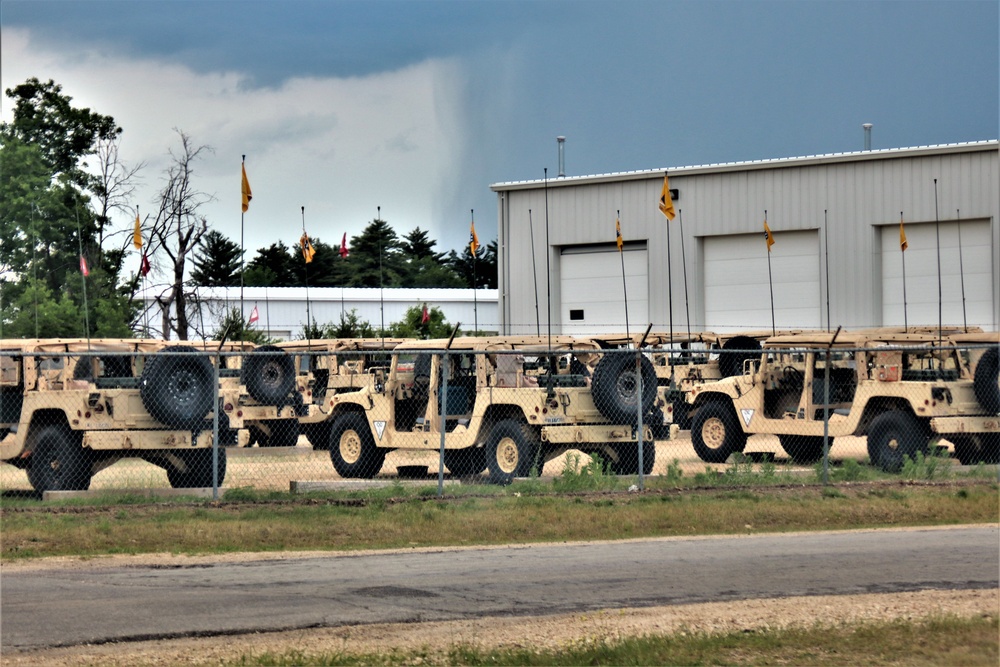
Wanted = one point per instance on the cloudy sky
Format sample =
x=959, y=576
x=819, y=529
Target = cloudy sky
x=418, y=106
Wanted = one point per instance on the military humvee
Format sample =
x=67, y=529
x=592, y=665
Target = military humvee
x=70, y=408
x=511, y=404
x=900, y=390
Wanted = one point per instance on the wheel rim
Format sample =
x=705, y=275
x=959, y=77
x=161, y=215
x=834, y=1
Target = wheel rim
x=350, y=446
x=184, y=387
x=271, y=375
x=507, y=455
x=713, y=433
x=892, y=444
x=627, y=387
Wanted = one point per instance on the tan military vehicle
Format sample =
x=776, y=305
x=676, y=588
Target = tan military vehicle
x=512, y=403
x=69, y=408
x=902, y=391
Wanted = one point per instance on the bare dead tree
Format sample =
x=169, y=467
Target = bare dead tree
x=114, y=186
x=177, y=228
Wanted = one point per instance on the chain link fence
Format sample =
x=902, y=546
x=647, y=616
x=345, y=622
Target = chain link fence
x=311, y=415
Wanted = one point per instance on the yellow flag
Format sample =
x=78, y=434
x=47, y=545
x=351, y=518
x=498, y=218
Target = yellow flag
x=307, y=248
x=903, y=245
x=618, y=234
x=137, y=233
x=247, y=195
x=473, y=238
x=768, y=236
x=666, y=202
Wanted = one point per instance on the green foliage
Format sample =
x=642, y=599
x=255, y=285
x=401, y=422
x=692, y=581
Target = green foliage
x=480, y=273
x=234, y=327
x=587, y=474
x=216, y=261
x=927, y=466
x=411, y=326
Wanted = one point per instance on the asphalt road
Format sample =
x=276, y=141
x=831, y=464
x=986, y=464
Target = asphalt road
x=94, y=604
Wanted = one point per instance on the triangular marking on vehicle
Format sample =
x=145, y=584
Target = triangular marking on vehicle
x=380, y=428
x=747, y=415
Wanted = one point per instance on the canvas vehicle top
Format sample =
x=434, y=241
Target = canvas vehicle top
x=72, y=407
x=507, y=404
x=901, y=390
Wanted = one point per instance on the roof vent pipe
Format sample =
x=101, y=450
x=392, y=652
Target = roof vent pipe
x=868, y=136
x=562, y=155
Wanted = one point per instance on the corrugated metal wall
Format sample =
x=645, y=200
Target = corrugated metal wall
x=860, y=192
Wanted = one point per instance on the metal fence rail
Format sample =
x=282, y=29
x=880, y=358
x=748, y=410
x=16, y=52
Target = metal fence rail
x=130, y=414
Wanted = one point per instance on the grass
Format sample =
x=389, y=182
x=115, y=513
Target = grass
x=403, y=517
x=946, y=640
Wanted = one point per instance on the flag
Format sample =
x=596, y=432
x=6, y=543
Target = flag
x=137, y=233
x=144, y=267
x=618, y=234
x=343, y=246
x=425, y=317
x=666, y=201
x=247, y=195
x=768, y=236
x=473, y=238
x=83, y=266
x=903, y=245
x=307, y=248
x=254, y=316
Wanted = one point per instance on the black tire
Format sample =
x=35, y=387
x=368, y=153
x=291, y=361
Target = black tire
x=628, y=458
x=512, y=450
x=615, y=387
x=352, y=448
x=318, y=435
x=195, y=471
x=465, y=462
x=974, y=448
x=716, y=432
x=803, y=449
x=269, y=374
x=894, y=437
x=735, y=352
x=987, y=381
x=177, y=387
x=284, y=433
x=58, y=461
x=682, y=413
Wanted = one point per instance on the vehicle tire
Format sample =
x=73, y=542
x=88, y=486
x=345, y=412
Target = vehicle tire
x=894, y=437
x=682, y=413
x=628, y=458
x=176, y=387
x=58, y=461
x=615, y=387
x=269, y=374
x=511, y=451
x=318, y=435
x=284, y=433
x=735, y=352
x=196, y=472
x=352, y=448
x=974, y=448
x=465, y=462
x=716, y=432
x=986, y=382
x=803, y=449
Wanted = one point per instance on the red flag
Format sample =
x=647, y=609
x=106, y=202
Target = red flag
x=343, y=246
x=254, y=316
x=144, y=267
x=425, y=317
x=83, y=266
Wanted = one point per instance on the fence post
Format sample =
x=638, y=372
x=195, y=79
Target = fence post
x=443, y=408
x=638, y=412
x=215, y=429
x=826, y=420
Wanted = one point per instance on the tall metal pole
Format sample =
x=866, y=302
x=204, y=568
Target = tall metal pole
x=937, y=232
x=770, y=282
x=826, y=262
x=961, y=269
x=534, y=274
x=548, y=252
x=475, y=298
x=687, y=305
x=621, y=255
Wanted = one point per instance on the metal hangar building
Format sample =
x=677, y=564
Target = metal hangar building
x=836, y=258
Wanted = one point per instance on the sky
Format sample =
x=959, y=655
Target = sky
x=411, y=109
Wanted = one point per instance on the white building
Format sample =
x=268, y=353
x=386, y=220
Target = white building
x=836, y=259
x=281, y=311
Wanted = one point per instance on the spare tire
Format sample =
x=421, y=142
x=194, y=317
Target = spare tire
x=269, y=374
x=176, y=387
x=615, y=387
x=986, y=383
x=735, y=352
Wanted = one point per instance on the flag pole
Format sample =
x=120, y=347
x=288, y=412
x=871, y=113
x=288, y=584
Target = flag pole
x=826, y=262
x=243, y=212
x=381, y=301
x=670, y=299
x=902, y=252
x=621, y=255
x=937, y=233
x=475, y=299
x=687, y=306
x=770, y=282
x=961, y=270
x=83, y=277
x=305, y=269
x=534, y=274
x=548, y=251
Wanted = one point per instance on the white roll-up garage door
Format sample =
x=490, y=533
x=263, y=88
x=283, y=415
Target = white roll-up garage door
x=592, y=294
x=974, y=261
x=737, y=293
